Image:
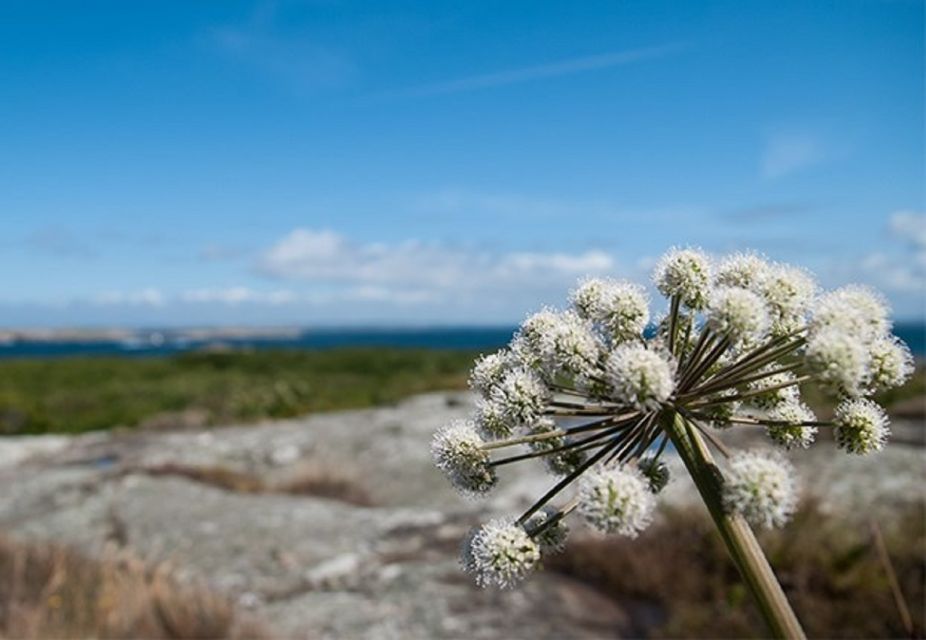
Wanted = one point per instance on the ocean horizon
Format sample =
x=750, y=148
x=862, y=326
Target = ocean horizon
x=155, y=342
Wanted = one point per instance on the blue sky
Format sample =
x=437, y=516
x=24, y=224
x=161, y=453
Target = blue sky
x=426, y=162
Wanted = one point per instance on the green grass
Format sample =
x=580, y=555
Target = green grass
x=71, y=395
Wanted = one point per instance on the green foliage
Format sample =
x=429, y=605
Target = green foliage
x=71, y=395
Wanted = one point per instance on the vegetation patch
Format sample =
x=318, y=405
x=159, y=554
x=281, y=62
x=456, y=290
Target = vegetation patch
x=72, y=395
x=676, y=579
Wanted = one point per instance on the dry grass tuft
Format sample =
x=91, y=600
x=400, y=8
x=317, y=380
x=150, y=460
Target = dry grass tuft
x=307, y=479
x=217, y=476
x=677, y=581
x=51, y=591
x=323, y=481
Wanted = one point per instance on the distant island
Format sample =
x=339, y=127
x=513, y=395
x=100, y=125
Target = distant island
x=42, y=342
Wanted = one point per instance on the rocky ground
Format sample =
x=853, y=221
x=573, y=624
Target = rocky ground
x=326, y=567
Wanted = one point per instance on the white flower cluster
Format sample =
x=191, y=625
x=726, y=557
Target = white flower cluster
x=593, y=392
x=861, y=426
x=850, y=347
x=500, y=553
x=457, y=451
x=784, y=294
x=641, y=377
x=621, y=308
x=771, y=391
x=685, y=273
x=616, y=500
x=744, y=270
x=761, y=487
x=737, y=312
x=790, y=431
x=521, y=396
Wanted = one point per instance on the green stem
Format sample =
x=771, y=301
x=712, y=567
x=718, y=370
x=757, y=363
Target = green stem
x=736, y=534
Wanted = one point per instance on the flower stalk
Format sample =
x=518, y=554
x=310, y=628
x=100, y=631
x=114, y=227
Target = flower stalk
x=735, y=532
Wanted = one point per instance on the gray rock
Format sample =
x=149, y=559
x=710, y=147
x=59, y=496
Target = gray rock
x=322, y=568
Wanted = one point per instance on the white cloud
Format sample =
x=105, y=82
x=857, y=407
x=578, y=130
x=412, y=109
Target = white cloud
x=898, y=268
x=787, y=153
x=431, y=271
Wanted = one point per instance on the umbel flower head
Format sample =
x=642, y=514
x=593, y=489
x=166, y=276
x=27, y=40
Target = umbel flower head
x=616, y=500
x=500, y=553
x=861, y=426
x=761, y=487
x=458, y=452
x=596, y=397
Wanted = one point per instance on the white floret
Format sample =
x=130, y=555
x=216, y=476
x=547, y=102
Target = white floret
x=862, y=426
x=788, y=291
x=639, y=376
x=616, y=500
x=773, y=390
x=856, y=310
x=571, y=346
x=685, y=273
x=488, y=371
x=840, y=360
x=621, y=308
x=891, y=363
x=457, y=451
x=793, y=434
x=492, y=420
x=737, y=313
x=500, y=553
x=760, y=486
x=521, y=395
x=745, y=270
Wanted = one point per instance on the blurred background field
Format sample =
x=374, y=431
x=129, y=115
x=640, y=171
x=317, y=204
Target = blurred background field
x=338, y=436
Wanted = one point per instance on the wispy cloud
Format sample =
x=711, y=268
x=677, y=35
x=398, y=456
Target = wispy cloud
x=788, y=153
x=435, y=279
x=903, y=271
x=323, y=256
x=548, y=70
x=898, y=268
